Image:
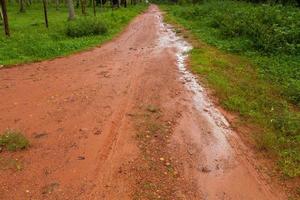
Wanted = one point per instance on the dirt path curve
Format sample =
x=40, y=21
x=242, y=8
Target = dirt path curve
x=77, y=113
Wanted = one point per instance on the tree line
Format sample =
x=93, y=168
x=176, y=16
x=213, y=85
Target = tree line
x=69, y=3
x=284, y=2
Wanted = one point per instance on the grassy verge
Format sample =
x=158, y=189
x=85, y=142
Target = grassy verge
x=262, y=85
x=31, y=41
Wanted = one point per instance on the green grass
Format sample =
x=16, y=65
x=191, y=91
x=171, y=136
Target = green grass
x=31, y=41
x=261, y=84
x=13, y=140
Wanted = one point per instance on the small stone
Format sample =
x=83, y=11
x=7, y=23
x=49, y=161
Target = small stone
x=48, y=189
x=205, y=170
x=130, y=114
x=97, y=132
x=27, y=191
x=168, y=164
x=162, y=159
x=39, y=135
x=81, y=157
x=190, y=151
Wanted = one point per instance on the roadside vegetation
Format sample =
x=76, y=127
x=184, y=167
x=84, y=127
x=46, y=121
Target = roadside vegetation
x=12, y=140
x=30, y=40
x=254, y=69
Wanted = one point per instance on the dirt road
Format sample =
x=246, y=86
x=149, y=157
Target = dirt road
x=103, y=121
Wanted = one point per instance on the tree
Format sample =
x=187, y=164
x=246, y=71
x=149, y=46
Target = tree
x=56, y=4
x=71, y=10
x=94, y=7
x=1, y=16
x=5, y=18
x=45, y=12
x=22, y=6
x=83, y=6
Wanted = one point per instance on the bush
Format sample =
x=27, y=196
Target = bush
x=270, y=29
x=13, y=140
x=85, y=26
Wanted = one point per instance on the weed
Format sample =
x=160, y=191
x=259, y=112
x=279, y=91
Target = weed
x=13, y=140
x=85, y=27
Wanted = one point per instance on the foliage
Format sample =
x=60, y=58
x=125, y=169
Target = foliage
x=284, y=2
x=262, y=85
x=31, y=41
x=86, y=26
x=13, y=140
x=270, y=35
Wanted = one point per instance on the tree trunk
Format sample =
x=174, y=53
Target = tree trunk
x=1, y=16
x=5, y=18
x=94, y=7
x=45, y=12
x=56, y=4
x=71, y=10
x=22, y=6
x=83, y=5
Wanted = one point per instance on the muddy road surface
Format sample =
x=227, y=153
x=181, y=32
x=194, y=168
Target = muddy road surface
x=126, y=120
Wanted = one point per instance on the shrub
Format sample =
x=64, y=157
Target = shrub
x=270, y=29
x=13, y=140
x=85, y=26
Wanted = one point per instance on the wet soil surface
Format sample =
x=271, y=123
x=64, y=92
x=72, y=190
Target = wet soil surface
x=125, y=120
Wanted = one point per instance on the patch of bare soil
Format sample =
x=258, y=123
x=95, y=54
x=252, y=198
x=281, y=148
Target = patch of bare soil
x=122, y=121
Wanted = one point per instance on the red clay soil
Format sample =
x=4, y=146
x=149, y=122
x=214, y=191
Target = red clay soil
x=77, y=113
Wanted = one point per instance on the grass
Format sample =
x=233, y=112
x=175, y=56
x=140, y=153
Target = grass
x=30, y=41
x=13, y=141
x=86, y=26
x=261, y=85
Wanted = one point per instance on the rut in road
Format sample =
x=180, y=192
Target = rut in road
x=123, y=121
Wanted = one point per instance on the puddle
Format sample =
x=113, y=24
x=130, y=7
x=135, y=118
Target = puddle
x=218, y=149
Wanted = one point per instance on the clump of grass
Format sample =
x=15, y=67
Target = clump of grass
x=13, y=140
x=86, y=26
